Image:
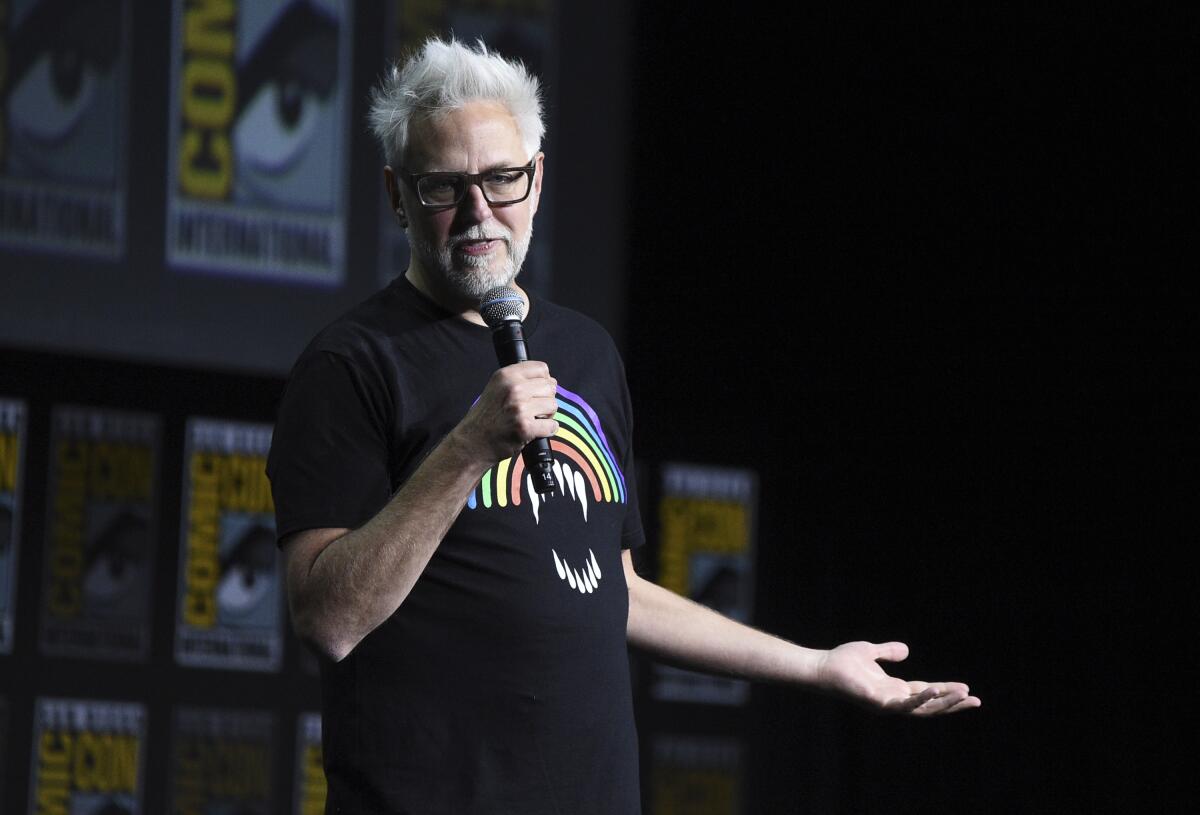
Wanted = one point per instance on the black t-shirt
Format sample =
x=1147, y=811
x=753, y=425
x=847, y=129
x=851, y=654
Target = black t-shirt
x=501, y=684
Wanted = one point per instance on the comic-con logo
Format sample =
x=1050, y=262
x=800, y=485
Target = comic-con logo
x=256, y=122
x=63, y=80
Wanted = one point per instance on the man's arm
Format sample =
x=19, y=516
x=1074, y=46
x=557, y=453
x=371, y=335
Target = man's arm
x=342, y=584
x=682, y=632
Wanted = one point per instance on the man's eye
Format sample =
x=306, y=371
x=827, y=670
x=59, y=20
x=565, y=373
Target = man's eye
x=440, y=184
x=503, y=178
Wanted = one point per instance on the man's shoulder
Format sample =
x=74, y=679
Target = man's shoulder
x=559, y=318
x=365, y=327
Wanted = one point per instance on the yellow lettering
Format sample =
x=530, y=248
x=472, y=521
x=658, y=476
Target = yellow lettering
x=87, y=760
x=207, y=27
x=105, y=762
x=697, y=525
x=189, y=783
x=120, y=471
x=66, y=536
x=225, y=770
x=125, y=763
x=209, y=93
x=202, y=569
x=244, y=485
x=208, y=90
x=53, y=773
x=239, y=771
x=206, y=164
x=313, y=792
x=9, y=453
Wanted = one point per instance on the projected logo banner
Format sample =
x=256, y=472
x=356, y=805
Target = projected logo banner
x=64, y=80
x=102, y=525
x=258, y=152
x=222, y=762
x=696, y=775
x=309, y=794
x=230, y=612
x=87, y=757
x=12, y=477
x=516, y=29
x=706, y=552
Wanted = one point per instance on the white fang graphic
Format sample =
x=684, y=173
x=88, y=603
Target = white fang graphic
x=584, y=582
x=571, y=484
x=582, y=493
x=534, y=499
x=568, y=479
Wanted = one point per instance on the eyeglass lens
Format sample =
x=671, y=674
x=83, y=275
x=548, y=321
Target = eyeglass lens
x=498, y=188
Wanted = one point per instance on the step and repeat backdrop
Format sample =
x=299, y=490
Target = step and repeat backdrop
x=171, y=172
x=187, y=193
x=147, y=662
x=143, y=623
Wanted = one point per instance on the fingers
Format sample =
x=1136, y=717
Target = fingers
x=532, y=417
x=517, y=406
x=935, y=700
x=891, y=651
x=527, y=380
x=530, y=369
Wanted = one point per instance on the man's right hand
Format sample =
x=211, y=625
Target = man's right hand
x=516, y=407
x=342, y=584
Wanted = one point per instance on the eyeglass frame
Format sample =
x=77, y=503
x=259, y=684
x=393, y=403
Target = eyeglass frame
x=472, y=179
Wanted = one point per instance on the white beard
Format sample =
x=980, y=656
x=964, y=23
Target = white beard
x=471, y=277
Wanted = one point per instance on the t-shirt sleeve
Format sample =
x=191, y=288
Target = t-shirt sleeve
x=328, y=463
x=632, y=533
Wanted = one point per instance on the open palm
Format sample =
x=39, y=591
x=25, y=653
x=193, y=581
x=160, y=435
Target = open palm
x=852, y=670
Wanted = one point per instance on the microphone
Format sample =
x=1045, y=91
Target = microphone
x=501, y=309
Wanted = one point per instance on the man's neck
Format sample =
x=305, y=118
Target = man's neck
x=448, y=300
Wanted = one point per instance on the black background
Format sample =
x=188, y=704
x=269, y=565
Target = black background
x=933, y=275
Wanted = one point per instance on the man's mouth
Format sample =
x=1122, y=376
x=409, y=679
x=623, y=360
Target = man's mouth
x=478, y=247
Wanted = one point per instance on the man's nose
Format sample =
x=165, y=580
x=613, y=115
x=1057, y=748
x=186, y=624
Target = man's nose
x=474, y=206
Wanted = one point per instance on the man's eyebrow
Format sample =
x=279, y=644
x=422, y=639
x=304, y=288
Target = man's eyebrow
x=490, y=168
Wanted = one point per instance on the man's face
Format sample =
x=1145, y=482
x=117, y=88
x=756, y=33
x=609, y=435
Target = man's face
x=472, y=247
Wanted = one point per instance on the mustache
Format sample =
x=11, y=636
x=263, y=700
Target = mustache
x=478, y=233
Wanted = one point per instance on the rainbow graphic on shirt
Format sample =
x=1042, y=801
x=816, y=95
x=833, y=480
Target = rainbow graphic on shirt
x=584, y=466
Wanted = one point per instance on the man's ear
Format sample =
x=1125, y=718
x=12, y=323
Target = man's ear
x=393, y=193
x=536, y=194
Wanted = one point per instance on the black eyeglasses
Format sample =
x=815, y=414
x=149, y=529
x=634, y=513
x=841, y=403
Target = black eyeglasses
x=504, y=185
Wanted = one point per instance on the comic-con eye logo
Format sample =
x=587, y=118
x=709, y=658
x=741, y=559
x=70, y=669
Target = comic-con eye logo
x=230, y=566
x=257, y=92
x=257, y=174
x=59, y=90
x=63, y=84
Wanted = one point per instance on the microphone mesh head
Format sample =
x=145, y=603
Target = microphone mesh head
x=500, y=305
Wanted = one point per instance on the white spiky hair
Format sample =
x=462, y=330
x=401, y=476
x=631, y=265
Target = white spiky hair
x=442, y=76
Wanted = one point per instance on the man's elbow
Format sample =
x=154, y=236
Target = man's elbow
x=326, y=639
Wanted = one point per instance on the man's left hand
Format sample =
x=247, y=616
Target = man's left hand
x=852, y=670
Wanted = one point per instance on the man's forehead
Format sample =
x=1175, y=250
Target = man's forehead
x=481, y=131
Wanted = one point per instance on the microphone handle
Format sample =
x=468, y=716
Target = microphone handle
x=509, y=340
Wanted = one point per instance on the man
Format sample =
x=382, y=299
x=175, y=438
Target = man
x=476, y=633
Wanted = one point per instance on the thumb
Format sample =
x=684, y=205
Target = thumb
x=891, y=651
